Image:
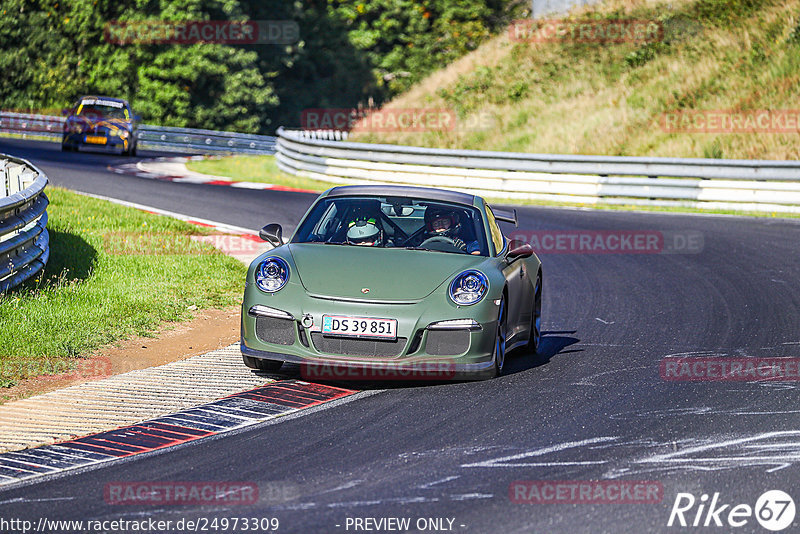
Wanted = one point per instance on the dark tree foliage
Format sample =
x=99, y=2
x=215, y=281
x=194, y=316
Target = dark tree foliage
x=349, y=53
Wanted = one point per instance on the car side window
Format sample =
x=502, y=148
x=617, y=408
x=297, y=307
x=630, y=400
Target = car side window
x=494, y=229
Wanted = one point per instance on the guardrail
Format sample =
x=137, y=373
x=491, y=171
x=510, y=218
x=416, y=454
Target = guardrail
x=24, y=241
x=750, y=185
x=165, y=138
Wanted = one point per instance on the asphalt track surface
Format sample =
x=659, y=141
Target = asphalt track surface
x=593, y=406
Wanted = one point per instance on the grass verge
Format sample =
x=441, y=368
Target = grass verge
x=261, y=169
x=735, y=56
x=113, y=272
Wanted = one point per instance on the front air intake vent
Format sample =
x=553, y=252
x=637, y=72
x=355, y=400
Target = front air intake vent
x=368, y=348
x=447, y=342
x=278, y=331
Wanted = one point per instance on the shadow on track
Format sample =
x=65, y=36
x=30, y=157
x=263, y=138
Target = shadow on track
x=552, y=344
x=517, y=361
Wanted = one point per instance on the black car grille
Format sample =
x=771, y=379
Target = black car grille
x=447, y=342
x=273, y=330
x=374, y=348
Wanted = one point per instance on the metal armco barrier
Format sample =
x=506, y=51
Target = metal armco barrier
x=750, y=185
x=150, y=137
x=24, y=242
x=203, y=141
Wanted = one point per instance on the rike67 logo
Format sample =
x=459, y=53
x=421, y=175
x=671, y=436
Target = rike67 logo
x=774, y=510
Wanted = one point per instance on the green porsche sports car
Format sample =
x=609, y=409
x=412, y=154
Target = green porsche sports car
x=392, y=278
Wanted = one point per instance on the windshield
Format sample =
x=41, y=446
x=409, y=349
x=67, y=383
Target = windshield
x=395, y=222
x=102, y=109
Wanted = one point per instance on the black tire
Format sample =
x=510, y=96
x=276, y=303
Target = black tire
x=499, y=355
x=535, y=340
x=261, y=364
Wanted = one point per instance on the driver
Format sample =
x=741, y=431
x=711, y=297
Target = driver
x=444, y=222
x=364, y=232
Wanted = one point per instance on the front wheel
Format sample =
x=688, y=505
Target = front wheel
x=262, y=364
x=535, y=339
x=500, y=340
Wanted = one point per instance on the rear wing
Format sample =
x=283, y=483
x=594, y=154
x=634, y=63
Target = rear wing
x=507, y=216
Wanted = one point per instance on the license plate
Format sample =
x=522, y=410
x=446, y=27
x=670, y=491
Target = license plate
x=359, y=326
x=96, y=139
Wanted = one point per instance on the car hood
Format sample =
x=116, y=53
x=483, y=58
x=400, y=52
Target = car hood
x=333, y=271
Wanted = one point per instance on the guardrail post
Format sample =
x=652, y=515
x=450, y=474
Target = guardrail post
x=3, y=178
x=14, y=174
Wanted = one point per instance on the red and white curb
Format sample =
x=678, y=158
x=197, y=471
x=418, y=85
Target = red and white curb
x=178, y=402
x=233, y=412
x=173, y=169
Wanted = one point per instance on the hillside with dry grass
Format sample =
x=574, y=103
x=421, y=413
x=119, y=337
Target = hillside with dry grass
x=737, y=57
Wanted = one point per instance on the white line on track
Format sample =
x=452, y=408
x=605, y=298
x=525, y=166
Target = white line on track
x=174, y=215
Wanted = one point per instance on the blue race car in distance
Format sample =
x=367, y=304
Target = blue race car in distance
x=101, y=122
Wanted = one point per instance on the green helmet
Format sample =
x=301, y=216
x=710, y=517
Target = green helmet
x=364, y=232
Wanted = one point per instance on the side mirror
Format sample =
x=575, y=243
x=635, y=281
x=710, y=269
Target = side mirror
x=66, y=111
x=272, y=234
x=517, y=250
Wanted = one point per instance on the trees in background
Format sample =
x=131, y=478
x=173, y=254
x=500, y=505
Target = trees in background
x=349, y=53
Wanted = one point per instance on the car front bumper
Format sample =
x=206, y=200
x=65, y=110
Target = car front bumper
x=112, y=143
x=291, y=333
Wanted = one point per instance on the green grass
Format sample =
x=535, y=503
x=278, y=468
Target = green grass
x=94, y=291
x=262, y=169
x=589, y=98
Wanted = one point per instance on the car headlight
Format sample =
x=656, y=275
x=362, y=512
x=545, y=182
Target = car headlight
x=468, y=287
x=272, y=274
